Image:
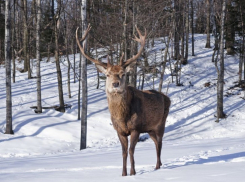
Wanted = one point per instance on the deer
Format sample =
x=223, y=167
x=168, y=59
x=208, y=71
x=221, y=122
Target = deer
x=132, y=111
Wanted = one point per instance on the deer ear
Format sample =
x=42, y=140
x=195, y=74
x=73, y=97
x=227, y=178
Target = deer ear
x=130, y=67
x=101, y=68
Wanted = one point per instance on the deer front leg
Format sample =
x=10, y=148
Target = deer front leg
x=133, y=141
x=124, y=143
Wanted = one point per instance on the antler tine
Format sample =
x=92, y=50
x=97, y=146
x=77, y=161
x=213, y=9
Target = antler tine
x=121, y=59
x=86, y=33
x=108, y=61
x=82, y=49
x=138, y=30
x=140, y=35
x=141, y=40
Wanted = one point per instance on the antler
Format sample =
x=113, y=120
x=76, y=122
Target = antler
x=82, y=49
x=121, y=59
x=141, y=40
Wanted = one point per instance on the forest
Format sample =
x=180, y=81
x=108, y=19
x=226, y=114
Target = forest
x=41, y=29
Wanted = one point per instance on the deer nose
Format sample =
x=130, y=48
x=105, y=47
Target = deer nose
x=115, y=85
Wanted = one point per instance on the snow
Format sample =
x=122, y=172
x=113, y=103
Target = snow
x=45, y=147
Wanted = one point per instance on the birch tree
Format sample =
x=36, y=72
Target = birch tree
x=39, y=101
x=220, y=68
x=57, y=60
x=8, y=68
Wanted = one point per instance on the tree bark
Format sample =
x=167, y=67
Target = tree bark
x=38, y=57
x=125, y=31
x=230, y=31
x=177, y=30
x=27, y=66
x=208, y=24
x=83, y=144
x=164, y=65
x=242, y=53
x=187, y=32
x=13, y=38
x=192, y=29
x=9, y=129
x=68, y=60
x=220, y=82
x=57, y=61
x=79, y=87
x=134, y=48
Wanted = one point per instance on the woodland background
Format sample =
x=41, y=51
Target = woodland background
x=40, y=29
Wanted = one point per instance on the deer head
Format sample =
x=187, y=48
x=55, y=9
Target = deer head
x=115, y=82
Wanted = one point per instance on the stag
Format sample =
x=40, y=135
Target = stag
x=132, y=111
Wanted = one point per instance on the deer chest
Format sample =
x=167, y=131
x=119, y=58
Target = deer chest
x=125, y=126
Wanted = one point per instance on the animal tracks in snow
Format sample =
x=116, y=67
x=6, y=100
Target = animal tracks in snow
x=221, y=155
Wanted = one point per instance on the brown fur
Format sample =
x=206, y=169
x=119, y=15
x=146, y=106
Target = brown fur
x=134, y=112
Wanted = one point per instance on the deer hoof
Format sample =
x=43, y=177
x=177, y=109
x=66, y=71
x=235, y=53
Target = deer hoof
x=132, y=172
x=124, y=174
x=158, y=165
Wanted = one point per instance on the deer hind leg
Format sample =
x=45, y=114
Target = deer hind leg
x=124, y=143
x=157, y=138
x=133, y=141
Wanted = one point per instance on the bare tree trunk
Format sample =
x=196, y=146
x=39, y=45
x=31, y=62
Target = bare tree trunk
x=98, y=75
x=192, y=28
x=125, y=30
x=68, y=76
x=215, y=30
x=183, y=31
x=208, y=24
x=27, y=66
x=13, y=35
x=176, y=30
x=220, y=82
x=230, y=31
x=38, y=56
x=25, y=34
x=242, y=53
x=134, y=48
x=187, y=32
x=9, y=129
x=164, y=64
x=79, y=87
x=68, y=60
x=57, y=61
x=52, y=8
x=75, y=48
x=83, y=144
x=183, y=47
x=74, y=62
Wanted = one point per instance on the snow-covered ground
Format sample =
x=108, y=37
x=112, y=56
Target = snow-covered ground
x=45, y=147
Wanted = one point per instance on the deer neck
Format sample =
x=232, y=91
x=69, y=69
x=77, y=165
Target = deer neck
x=118, y=106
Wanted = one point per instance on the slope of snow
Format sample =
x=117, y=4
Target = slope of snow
x=45, y=147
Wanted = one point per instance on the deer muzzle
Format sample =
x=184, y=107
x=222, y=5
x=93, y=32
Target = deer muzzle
x=115, y=84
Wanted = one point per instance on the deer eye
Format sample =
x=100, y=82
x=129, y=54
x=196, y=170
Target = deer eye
x=122, y=75
x=107, y=75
